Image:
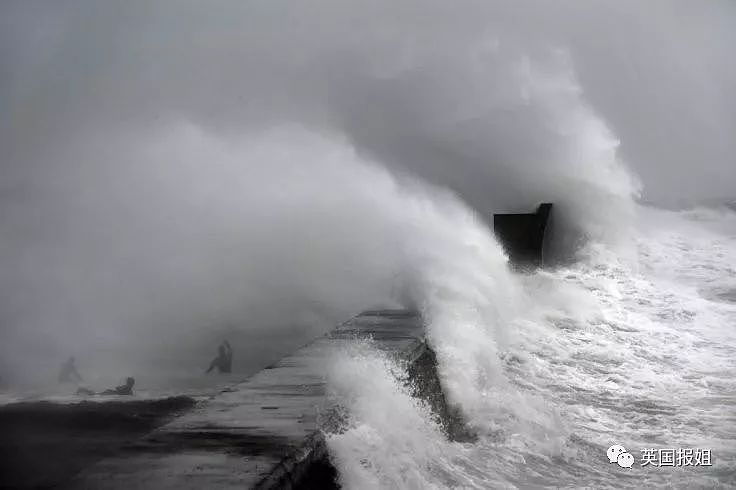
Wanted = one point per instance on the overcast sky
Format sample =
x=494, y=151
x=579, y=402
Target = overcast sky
x=193, y=162
x=659, y=74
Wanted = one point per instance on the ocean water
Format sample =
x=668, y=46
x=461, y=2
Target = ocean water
x=633, y=346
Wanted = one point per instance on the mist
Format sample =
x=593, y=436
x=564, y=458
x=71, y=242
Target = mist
x=174, y=172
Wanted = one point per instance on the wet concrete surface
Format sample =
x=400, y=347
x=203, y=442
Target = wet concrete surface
x=263, y=433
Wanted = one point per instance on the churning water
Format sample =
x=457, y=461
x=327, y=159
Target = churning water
x=550, y=369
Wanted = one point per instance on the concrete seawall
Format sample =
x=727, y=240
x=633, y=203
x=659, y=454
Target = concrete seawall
x=523, y=235
x=267, y=432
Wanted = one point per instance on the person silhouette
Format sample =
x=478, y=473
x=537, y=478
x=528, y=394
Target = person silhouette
x=224, y=360
x=126, y=389
x=69, y=373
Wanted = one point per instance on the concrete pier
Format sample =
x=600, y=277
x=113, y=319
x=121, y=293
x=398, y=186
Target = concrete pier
x=263, y=433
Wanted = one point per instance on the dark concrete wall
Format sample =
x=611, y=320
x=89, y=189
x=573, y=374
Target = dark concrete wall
x=523, y=235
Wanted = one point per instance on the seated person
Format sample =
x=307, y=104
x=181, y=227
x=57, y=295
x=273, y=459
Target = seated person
x=126, y=389
x=224, y=360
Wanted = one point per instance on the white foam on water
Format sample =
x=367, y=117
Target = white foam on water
x=552, y=368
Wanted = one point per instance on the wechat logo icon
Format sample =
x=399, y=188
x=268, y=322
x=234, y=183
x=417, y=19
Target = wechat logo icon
x=618, y=454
